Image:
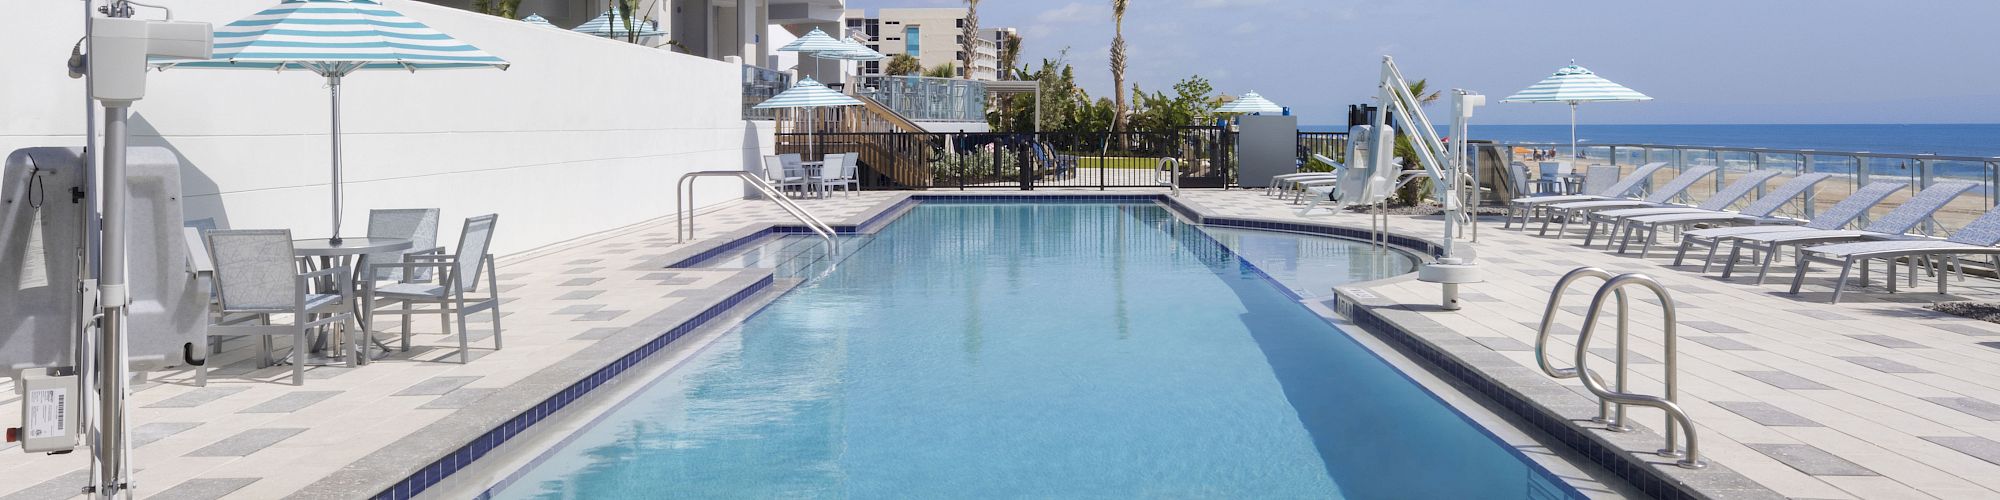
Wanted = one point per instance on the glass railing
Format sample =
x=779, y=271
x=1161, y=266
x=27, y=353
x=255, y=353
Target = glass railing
x=930, y=99
x=760, y=84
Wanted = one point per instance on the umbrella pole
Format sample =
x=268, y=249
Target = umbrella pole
x=333, y=82
x=1572, y=131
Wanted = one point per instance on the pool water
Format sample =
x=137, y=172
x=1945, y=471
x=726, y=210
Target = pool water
x=1048, y=350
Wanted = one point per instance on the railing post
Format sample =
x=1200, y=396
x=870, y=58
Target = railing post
x=1021, y=167
x=1924, y=181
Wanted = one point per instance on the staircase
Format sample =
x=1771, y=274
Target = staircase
x=895, y=151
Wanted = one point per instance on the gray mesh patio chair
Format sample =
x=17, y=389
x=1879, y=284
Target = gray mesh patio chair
x=1758, y=212
x=419, y=225
x=1893, y=225
x=1717, y=202
x=1517, y=172
x=782, y=174
x=1835, y=217
x=844, y=175
x=1659, y=197
x=459, y=276
x=1977, y=238
x=1598, y=184
x=256, y=273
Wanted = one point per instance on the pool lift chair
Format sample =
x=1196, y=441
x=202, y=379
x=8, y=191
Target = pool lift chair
x=1372, y=173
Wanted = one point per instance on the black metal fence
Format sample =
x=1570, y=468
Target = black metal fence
x=1332, y=145
x=1027, y=160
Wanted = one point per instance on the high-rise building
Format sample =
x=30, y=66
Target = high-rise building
x=935, y=36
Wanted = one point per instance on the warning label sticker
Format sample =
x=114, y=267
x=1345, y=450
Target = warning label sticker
x=45, y=413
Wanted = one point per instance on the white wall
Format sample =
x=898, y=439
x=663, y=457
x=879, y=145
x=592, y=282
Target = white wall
x=581, y=135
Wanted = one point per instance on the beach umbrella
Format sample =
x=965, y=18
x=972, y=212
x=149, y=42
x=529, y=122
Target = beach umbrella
x=853, y=50
x=537, y=19
x=334, y=38
x=1251, y=103
x=1574, y=85
x=611, y=25
x=815, y=42
x=811, y=96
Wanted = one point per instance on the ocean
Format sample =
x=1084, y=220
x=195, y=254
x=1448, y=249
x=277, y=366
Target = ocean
x=1941, y=139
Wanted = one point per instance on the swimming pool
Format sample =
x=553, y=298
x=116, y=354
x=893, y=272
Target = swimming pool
x=1036, y=350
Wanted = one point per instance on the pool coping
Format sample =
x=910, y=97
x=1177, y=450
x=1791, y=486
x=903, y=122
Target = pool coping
x=433, y=453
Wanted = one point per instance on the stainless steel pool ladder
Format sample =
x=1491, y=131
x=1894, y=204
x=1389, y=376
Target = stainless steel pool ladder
x=1612, y=402
x=684, y=206
x=1171, y=167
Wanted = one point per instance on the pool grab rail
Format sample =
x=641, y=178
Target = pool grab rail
x=1171, y=167
x=1613, y=401
x=684, y=206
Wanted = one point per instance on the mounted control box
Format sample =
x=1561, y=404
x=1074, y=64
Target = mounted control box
x=48, y=413
x=120, y=49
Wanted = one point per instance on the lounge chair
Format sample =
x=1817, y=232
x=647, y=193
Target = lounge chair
x=459, y=275
x=1893, y=225
x=1594, y=182
x=1835, y=217
x=1282, y=182
x=1757, y=212
x=1717, y=202
x=1659, y=197
x=1977, y=238
x=1310, y=183
x=256, y=274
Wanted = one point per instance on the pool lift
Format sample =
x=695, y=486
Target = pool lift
x=1373, y=174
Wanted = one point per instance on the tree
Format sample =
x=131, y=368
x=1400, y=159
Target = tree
x=502, y=8
x=946, y=70
x=626, y=9
x=1010, y=55
x=1418, y=190
x=1192, y=103
x=904, y=65
x=1118, y=64
x=969, y=35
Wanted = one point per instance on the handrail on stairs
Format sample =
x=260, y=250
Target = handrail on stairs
x=684, y=206
x=1617, y=396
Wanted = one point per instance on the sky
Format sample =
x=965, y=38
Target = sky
x=1703, y=61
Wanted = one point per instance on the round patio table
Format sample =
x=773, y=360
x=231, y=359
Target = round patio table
x=352, y=251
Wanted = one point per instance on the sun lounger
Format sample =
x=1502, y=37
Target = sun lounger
x=1835, y=217
x=1757, y=212
x=1717, y=202
x=1593, y=179
x=1893, y=225
x=1977, y=238
x=1659, y=197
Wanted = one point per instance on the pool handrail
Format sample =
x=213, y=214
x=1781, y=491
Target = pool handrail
x=684, y=206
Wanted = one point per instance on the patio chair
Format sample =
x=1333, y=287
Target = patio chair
x=1550, y=178
x=1756, y=213
x=1659, y=197
x=842, y=174
x=1835, y=217
x=256, y=273
x=1717, y=202
x=1517, y=173
x=782, y=176
x=1597, y=182
x=459, y=276
x=1893, y=225
x=1976, y=238
x=419, y=225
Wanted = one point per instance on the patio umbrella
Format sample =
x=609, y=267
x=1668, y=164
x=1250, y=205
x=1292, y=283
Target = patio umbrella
x=333, y=38
x=814, y=42
x=853, y=50
x=1574, y=85
x=810, y=95
x=611, y=25
x=537, y=19
x=1251, y=103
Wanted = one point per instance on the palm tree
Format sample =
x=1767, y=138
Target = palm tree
x=904, y=65
x=946, y=70
x=1010, y=54
x=969, y=45
x=1118, y=65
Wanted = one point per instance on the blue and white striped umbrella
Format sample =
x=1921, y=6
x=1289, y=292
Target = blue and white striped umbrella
x=333, y=38
x=537, y=19
x=814, y=41
x=1574, y=85
x=854, y=51
x=611, y=25
x=807, y=94
x=1251, y=103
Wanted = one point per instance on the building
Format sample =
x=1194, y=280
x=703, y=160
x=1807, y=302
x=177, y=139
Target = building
x=935, y=36
x=998, y=36
x=714, y=29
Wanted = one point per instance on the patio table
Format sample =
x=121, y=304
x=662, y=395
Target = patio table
x=354, y=252
x=813, y=171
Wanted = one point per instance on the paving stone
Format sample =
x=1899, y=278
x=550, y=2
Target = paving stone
x=596, y=333
x=580, y=282
x=1822, y=314
x=580, y=295
x=1712, y=327
x=1477, y=297
x=1965, y=329
x=1721, y=343
x=1784, y=380
x=659, y=276
x=435, y=386
x=1767, y=414
x=1971, y=406
x=197, y=397
x=1978, y=447
x=68, y=485
x=580, y=262
x=1540, y=272
x=291, y=402
x=150, y=432
x=1811, y=460
x=1883, y=365
x=1557, y=329
x=583, y=270
x=1502, y=343
x=580, y=309
x=459, y=399
x=600, y=316
x=246, y=442
x=1630, y=357
x=204, y=488
x=1887, y=341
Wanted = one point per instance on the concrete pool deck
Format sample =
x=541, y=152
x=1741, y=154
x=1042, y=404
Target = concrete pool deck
x=1871, y=398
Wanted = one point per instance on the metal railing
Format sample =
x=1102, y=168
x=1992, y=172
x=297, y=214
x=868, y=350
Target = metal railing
x=760, y=84
x=684, y=206
x=1329, y=144
x=1169, y=174
x=1612, y=401
x=931, y=99
x=1025, y=160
